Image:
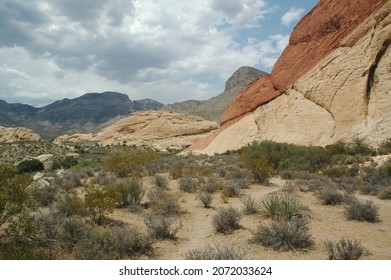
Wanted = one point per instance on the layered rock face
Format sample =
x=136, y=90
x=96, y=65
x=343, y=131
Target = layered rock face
x=17, y=134
x=332, y=83
x=160, y=130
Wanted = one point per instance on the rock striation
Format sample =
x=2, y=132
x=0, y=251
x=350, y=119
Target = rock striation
x=331, y=83
x=157, y=129
x=17, y=134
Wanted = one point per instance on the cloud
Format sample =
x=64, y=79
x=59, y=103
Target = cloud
x=294, y=14
x=167, y=50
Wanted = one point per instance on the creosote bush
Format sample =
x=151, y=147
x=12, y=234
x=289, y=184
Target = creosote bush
x=226, y=220
x=161, y=227
x=285, y=234
x=217, y=252
x=362, y=211
x=160, y=182
x=100, y=202
x=344, y=249
x=187, y=184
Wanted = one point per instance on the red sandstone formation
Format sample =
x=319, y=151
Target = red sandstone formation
x=318, y=34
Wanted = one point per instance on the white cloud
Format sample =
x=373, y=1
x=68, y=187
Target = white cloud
x=166, y=50
x=294, y=14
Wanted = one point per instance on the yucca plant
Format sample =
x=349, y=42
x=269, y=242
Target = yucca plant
x=282, y=205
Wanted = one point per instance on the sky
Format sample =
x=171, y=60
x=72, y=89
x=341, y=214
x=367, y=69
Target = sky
x=167, y=50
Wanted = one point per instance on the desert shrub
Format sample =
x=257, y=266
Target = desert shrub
x=45, y=195
x=287, y=175
x=161, y=227
x=217, y=252
x=205, y=197
x=100, y=202
x=64, y=163
x=130, y=242
x=359, y=147
x=385, y=147
x=18, y=228
x=347, y=184
x=376, y=180
x=160, y=182
x=362, y=211
x=111, y=244
x=384, y=193
x=72, y=230
x=330, y=195
x=340, y=171
x=344, y=249
x=48, y=224
x=211, y=185
x=285, y=234
x=163, y=203
x=257, y=162
x=226, y=220
x=231, y=189
x=31, y=165
x=69, y=204
x=129, y=161
x=250, y=205
x=131, y=191
x=187, y=184
x=284, y=205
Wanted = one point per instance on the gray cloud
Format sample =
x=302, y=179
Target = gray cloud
x=139, y=47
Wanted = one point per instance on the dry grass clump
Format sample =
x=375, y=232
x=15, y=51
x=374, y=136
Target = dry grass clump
x=226, y=220
x=217, y=252
x=344, y=249
x=285, y=234
x=160, y=182
x=330, y=195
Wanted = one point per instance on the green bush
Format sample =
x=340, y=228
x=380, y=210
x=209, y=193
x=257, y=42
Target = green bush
x=344, y=249
x=226, y=220
x=100, y=202
x=31, y=165
x=285, y=234
x=229, y=252
x=257, y=162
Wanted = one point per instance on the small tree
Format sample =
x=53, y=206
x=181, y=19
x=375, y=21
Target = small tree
x=257, y=162
x=100, y=202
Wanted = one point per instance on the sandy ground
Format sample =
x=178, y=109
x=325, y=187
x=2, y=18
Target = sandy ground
x=327, y=223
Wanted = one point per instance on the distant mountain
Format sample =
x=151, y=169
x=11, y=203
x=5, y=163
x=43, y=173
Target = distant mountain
x=86, y=113
x=213, y=108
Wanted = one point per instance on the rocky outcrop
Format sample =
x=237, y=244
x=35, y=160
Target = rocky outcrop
x=160, y=130
x=331, y=83
x=17, y=134
x=213, y=108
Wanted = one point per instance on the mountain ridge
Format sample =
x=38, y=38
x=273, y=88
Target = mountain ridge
x=85, y=113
